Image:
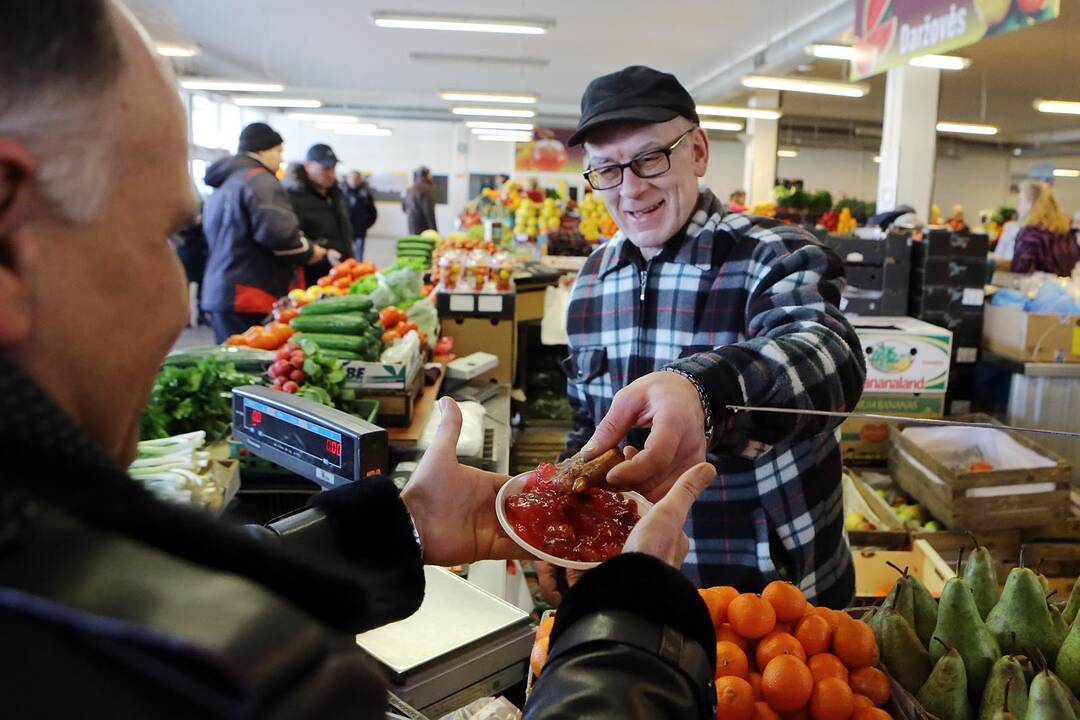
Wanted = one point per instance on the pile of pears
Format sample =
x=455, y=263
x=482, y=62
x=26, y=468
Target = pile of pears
x=980, y=653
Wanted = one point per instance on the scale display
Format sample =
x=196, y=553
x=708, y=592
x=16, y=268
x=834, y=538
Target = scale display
x=314, y=441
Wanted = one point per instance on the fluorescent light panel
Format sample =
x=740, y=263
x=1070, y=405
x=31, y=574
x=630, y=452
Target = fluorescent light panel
x=787, y=153
x=324, y=118
x=480, y=124
x=831, y=51
x=493, y=112
x=877, y=158
x=461, y=23
x=739, y=112
x=277, y=102
x=1062, y=172
x=230, y=85
x=1062, y=107
x=941, y=62
x=465, y=96
x=344, y=126
x=718, y=125
x=966, y=128
x=178, y=51
x=818, y=87
x=361, y=130
x=494, y=131
x=504, y=138
x=444, y=58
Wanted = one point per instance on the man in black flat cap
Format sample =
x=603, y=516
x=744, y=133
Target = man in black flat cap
x=321, y=207
x=254, y=237
x=688, y=311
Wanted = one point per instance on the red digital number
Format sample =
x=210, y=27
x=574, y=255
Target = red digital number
x=256, y=417
x=333, y=447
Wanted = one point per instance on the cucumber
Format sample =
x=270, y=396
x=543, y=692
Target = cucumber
x=342, y=324
x=245, y=359
x=328, y=341
x=341, y=354
x=337, y=305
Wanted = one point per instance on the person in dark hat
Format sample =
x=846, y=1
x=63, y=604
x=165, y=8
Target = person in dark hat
x=321, y=207
x=419, y=202
x=688, y=312
x=254, y=238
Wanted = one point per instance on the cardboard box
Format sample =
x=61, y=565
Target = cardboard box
x=962, y=272
x=1031, y=337
x=874, y=578
x=965, y=326
x=498, y=337
x=947, y=244
x=380, y=376
x=888, y=302
x=895, y=249
x=945, y=299
x=864, y=441
x=904, y=355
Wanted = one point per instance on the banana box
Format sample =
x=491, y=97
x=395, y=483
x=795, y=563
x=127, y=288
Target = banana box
x=865, y=441
x=904, y=356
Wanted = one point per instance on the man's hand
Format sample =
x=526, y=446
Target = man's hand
x=318, y=252
x=660, y=532
x=667, y=403
x=453, y=505
x=333, y=256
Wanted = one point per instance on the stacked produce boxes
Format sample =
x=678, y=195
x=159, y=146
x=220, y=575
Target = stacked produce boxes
x=877, y=273
x=947, y=289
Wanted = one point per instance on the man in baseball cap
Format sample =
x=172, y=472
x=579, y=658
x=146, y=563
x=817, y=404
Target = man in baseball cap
x=687, y=312
x=321, y=207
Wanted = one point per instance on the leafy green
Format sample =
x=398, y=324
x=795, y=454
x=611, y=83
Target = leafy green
x=190, y=398
x=324, y=377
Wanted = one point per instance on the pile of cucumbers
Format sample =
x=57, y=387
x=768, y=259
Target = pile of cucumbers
x=345, y=327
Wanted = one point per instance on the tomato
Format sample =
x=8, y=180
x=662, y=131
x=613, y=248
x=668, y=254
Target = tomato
x=391, y=335
x=235, y=341
x=390, y=316
x=343, y=282
x=324, y=281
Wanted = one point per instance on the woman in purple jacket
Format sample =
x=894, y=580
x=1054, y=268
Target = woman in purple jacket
x=1044, y=243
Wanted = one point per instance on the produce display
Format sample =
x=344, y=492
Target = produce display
x=305, y=369
x=418, y=247
x=464, y=264
x=175, y=469
x=192, y=397
x=588, y=526
x=262, y=337
x=533, y=219
x=596, y=222
x=980, y=651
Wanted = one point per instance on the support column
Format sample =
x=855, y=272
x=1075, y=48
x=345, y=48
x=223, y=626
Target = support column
x=909, y=139
x=759, y=164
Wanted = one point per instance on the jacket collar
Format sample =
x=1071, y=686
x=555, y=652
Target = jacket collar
x=694, y=245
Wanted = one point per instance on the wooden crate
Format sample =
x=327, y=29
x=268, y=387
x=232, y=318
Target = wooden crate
x=944, y=491
x=874, y=578
x=396, y=406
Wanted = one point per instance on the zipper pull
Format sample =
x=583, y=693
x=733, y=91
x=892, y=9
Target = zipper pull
x=644, y=280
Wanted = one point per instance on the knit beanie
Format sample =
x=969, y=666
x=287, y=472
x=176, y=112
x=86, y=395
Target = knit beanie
x=258, y=136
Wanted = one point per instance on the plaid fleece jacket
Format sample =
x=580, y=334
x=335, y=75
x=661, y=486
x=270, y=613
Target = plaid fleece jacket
x=748, y=307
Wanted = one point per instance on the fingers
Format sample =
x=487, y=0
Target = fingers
x=682, y=547
x=686, y=490
x=446, y=435
x=651, y=464
x=626, y=407
x=547, y=578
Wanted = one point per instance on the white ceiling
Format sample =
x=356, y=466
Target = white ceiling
x=331, y=49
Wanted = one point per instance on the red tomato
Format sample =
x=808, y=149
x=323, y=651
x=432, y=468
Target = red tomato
x=390, y=316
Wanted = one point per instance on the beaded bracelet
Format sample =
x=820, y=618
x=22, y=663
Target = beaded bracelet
x=706, y=405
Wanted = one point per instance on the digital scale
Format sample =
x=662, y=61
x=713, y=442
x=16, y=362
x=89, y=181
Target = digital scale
x=463, y=643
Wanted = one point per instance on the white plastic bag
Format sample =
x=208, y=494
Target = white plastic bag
x=471, y=441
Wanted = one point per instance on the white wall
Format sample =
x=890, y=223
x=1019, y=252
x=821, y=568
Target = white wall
x=976, y=180
x=844, y=173
x=1067, y=189
x=725, y=172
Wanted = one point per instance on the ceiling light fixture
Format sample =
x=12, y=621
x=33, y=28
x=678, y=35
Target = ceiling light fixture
x=787, y=153
x=361, y=130
x=1062, y=172
x=465, y=96
x=177, y=51
x=877, y=158
x=941, y=62
x=493, y=112
x=229, y=85
x=831, y=51
x=1062, y=107
x=443, y=58
x=495, y=131
x=324, y=118
x=966, y=128
x=462, y=23
x=739, y=112
x=818, y=87
x=719, y=125
x=335, y=126
x=277, y=102
x=504, y=138
x=498, y=125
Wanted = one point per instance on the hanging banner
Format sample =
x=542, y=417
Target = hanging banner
x=891, y=32
x=549, y=151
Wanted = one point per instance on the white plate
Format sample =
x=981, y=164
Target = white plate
x=513, y=486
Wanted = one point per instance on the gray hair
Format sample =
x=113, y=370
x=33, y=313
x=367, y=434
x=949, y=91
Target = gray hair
x=58, y=60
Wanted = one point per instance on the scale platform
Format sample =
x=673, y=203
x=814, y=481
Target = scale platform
x=462, y=644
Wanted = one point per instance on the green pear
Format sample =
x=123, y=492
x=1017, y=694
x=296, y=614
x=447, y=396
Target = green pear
x=1048, y=699
x=901, y=598
x=1021, y=621
x=1067, y=665
x=980, y=572
x=960, y=626
x=1006, y=690
x=904, y=656
x=1073, y=605
x=1059, y=622
x=945, y=692
x=926, y=611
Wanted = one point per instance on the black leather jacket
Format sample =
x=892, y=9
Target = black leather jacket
x=113, y=604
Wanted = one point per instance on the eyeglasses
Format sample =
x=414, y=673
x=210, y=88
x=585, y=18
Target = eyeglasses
x=646, y=165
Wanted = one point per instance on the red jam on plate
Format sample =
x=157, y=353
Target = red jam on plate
x=587, y=527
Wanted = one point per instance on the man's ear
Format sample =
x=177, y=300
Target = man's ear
x=16, y=193
x=700, y=148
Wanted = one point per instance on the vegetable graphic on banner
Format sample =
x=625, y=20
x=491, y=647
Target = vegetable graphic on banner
x=889, y=33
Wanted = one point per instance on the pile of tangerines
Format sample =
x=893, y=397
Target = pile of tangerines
x=780, y=658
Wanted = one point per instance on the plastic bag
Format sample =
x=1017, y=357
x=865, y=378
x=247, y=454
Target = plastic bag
x=471, y=441
x=1007, y=297
x=402, y=350
x=425, y=316
x=407, y=284
x=486, y=708
x=382, y=297
x=1053, y=298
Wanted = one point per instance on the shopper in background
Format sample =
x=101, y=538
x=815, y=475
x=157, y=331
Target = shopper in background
x=737, y=201
x=190, y=245
x=419, y=202
x=115, y=604
x=1044, y=243
x=321, y=208
x=685, y=312
x=362, y=210
x=1006, y=242
x=254, y=239
x=956, y=221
